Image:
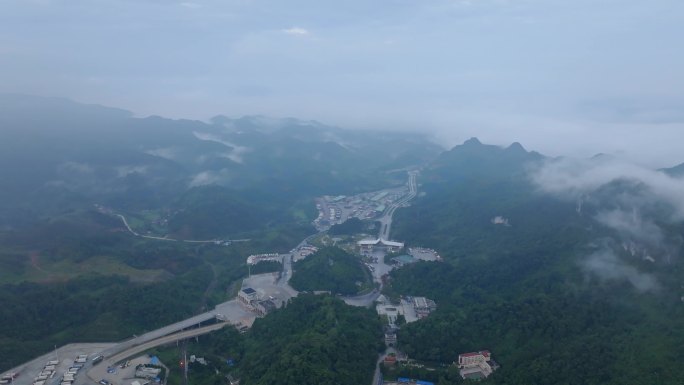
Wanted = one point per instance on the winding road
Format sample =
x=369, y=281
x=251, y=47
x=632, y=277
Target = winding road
x=380, y=268
x=125, y=222
x=231, y=312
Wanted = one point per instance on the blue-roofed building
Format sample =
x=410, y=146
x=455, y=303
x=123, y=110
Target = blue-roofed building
x=247, y=295
x=404, y=380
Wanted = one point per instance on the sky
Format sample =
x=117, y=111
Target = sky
x=562, y=77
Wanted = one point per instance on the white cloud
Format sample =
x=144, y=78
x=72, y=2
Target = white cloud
x=296, y=31
x=204, y=178
x=209, y=177
x=635, y=202
x=166, y=153
x=237, y=152
x=607, y=266
x=571, y=178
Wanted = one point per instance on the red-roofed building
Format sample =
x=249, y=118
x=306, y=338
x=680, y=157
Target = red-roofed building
x=390, y=360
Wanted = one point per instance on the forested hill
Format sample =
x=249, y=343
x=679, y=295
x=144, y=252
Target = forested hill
x=468, y=187
x=57, y=155
x=315, y=339
x=474, y=160
x=547, y=260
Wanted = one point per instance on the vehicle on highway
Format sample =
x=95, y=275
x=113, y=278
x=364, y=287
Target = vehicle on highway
x=97, y=359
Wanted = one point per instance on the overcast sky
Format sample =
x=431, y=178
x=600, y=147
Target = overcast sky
x=562, y=77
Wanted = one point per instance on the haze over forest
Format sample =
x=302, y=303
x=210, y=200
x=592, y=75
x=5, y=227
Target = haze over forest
x=566, y=78
x=342, y=192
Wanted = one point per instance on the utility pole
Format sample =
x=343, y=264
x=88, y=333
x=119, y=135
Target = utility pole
x=185, y=367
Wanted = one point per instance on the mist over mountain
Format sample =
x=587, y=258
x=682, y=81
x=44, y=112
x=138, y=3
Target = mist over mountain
x=59, y=155
x=548, y=255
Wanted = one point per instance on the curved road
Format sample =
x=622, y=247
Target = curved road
x=231, y=309
x=381, y=268
x=125, y=222
x=100, y=371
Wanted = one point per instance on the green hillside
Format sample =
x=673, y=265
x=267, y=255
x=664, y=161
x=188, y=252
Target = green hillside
x=521, y=288
x=330, y=269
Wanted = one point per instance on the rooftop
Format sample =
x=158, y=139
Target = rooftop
x=268, y=305
x=379, y=241
x=248, y=290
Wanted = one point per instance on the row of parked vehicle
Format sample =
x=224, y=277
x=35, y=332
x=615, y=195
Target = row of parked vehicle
x=8, y=378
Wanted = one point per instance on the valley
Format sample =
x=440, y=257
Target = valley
x=230, y=313
x=302, y=251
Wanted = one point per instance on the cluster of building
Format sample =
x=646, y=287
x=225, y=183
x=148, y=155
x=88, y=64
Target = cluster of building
x=423, y=306
x=250, y=300
x=412, y=308
x=303, y=252
x=199, y=360
x=337, y=209
x=476, y=365
x=147, y=372
x=256, y=258
x=472, y=366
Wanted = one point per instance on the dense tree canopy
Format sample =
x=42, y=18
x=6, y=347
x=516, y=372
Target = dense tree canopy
x=315, y=339
x=330, y=269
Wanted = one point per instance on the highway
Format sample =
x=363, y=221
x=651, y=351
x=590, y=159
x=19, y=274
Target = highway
x=163, y=340
x=381, y=268
x=99, y=371
x=230, y=311
x=386, y=219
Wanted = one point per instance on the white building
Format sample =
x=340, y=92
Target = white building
x=256, y=258
x=475, y=365
x=423, y=306
x=246, y=296
x=367, y=245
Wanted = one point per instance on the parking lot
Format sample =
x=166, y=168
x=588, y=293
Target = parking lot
x=233, y=312
x=65, y=355
x=116, y=375
x=424, y=254
x=267, y=288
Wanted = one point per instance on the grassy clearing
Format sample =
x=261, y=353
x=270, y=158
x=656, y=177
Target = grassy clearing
x=46, y=271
